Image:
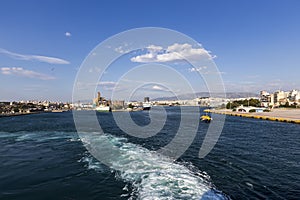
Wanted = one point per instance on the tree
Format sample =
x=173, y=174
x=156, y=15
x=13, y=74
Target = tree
x=245, y=102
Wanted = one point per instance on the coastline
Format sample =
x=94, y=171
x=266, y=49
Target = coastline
x=30, y=113
x=19, y=114
x=279, y=114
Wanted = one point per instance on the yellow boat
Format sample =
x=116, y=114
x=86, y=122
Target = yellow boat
x=205, y=118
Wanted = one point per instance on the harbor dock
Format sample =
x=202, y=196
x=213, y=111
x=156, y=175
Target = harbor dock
x=279, y=114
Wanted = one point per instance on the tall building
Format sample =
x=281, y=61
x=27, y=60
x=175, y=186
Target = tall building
x=100, y=100
x=280, y=97
x=294, y=96
x=266, y=99
x=117, y=104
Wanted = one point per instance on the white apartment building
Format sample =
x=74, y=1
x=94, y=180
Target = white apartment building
x=279, y=98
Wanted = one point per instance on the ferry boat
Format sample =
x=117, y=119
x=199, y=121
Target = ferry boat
x=103, y=108
x=147, y=105
x=101, y=104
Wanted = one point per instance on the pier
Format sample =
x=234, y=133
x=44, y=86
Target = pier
x=280, y=115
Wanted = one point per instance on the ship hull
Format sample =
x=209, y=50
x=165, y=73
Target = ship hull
x=147, y=106
x=103, y=109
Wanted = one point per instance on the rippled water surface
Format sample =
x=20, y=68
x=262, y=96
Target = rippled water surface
x=42, y=157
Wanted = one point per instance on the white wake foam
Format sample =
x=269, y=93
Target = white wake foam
x=152, y=175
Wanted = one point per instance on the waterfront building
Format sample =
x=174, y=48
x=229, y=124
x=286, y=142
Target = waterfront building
x=279, y=98
x=294, y=96
x=266, y=99
x=117, y=104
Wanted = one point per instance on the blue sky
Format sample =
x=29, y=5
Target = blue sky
x=42, y=44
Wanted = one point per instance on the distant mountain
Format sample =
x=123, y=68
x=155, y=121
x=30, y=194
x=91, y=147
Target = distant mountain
x=241, y=94
x=207, y=94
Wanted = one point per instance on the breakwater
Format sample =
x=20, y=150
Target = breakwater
x=280, y=115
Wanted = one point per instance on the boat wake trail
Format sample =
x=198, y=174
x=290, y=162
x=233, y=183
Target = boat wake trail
x=150, y=175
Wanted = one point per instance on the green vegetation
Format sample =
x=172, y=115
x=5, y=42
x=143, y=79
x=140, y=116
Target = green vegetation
x=245, y=102
x=16, y=110
x=287, y=105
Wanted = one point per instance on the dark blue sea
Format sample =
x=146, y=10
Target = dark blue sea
x=43, y=157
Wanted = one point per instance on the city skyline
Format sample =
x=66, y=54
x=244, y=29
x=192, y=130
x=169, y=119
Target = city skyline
x=42, y=45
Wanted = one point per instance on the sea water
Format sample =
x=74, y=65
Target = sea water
x=42, y=157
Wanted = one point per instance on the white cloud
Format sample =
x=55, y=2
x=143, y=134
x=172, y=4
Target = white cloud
x=156, y=87
x=175, y=52
x=46, y=59
x=107, y=83
x=50, y=60
x=68, y=34
x=123, y=49
x=205, y=70
x=197, y=69
x=155, y=48
x=149, y=57
x=19, y=71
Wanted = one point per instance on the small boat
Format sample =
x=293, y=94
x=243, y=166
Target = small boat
x=206, y=118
